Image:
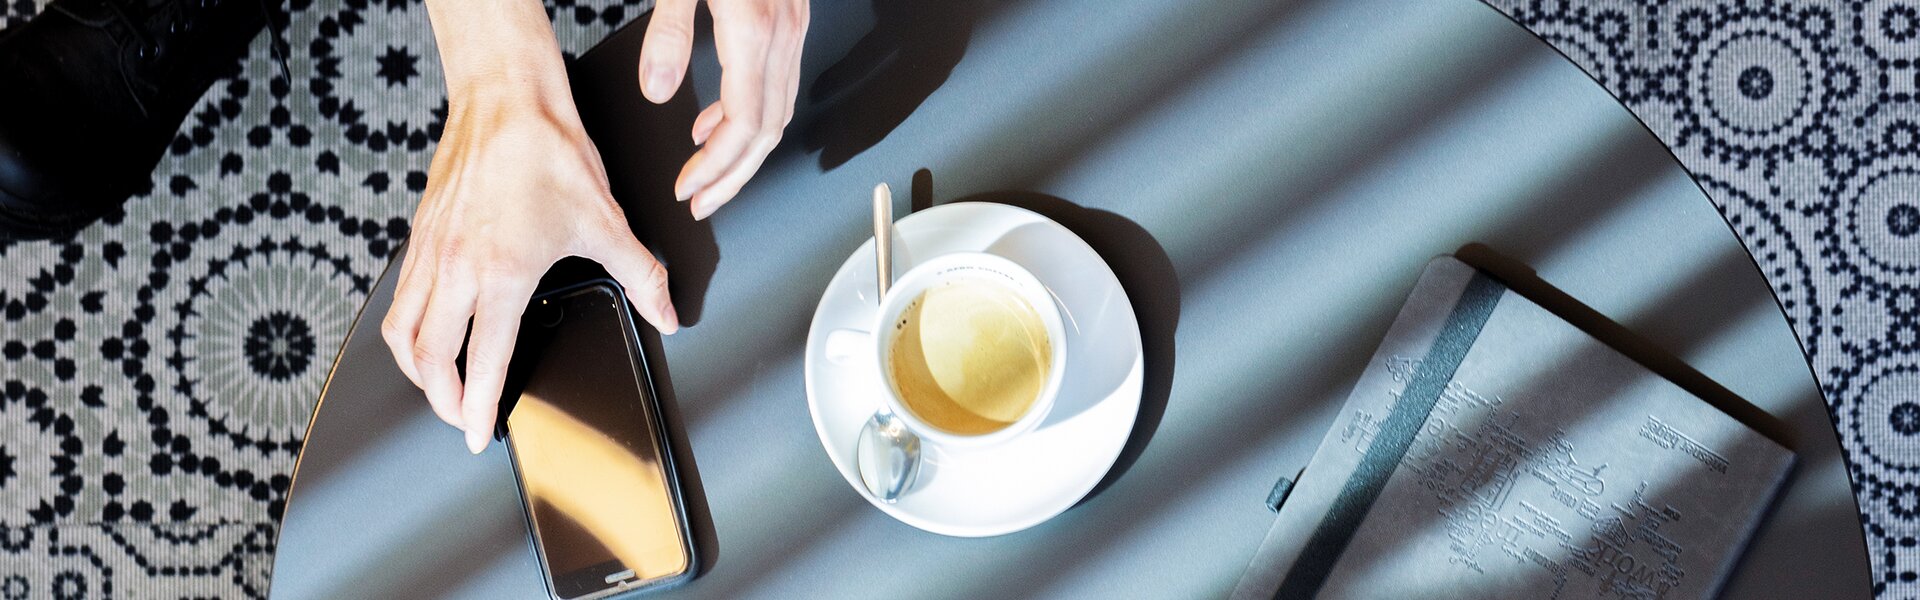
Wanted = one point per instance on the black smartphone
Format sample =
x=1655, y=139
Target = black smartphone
x=589, y=450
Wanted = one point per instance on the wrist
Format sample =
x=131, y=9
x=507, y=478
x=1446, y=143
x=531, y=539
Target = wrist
x=496, y=52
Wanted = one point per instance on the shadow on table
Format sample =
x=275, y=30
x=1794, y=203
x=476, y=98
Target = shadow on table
x=1145, y=272
x=643, y=146
x=913, y=47
x=1524, y=281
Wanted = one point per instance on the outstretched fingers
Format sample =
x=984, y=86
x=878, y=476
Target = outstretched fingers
x=759, y=45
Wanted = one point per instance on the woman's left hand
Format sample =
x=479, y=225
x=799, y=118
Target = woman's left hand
x=758, y=43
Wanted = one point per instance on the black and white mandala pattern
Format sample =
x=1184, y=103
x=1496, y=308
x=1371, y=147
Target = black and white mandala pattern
x=107, y=560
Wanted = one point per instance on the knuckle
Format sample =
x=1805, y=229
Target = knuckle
x=760, y=21
x=657, y=278
x=451, y=251
x=765, y=141
x=657, y=281
x=390, y=330
x=484, y=362
x=430, y=357
x=796, y=22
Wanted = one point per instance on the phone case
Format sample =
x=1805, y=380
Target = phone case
x=645, y=377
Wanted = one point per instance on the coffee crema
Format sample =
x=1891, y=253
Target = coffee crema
x=969, y=357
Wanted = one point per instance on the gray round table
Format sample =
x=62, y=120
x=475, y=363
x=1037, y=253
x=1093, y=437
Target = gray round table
x=1267, y=178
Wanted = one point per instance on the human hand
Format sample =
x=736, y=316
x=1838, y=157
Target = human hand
x=515, y=185
x=758, y=43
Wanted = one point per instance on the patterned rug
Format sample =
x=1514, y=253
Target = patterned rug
x=157, y=373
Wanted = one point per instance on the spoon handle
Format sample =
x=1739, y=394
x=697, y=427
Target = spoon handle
x=883, y=236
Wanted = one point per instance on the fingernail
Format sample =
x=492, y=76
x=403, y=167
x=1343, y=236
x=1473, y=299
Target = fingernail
x=476, y=441
x=659, y=85
x=703, y=209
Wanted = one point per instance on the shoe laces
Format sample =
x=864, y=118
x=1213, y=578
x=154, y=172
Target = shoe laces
x=146, y=27
x=277, y=37
x=143, y=21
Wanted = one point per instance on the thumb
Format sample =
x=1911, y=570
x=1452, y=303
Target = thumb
x=644, y=278
x=664, y=51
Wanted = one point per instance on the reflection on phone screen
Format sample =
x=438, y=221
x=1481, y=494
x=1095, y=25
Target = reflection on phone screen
x=589, y=462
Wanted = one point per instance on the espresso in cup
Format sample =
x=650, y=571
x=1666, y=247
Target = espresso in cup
x=969, y=356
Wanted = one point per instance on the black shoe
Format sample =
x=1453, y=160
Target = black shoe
x=93, y=93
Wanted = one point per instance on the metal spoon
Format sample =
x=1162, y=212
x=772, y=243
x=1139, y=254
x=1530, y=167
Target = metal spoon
x=888, y=455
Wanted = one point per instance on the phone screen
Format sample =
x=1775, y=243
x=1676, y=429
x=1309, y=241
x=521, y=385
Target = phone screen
x=583, y=439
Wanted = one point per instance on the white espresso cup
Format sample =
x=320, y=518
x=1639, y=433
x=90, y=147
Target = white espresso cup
x=873, y=350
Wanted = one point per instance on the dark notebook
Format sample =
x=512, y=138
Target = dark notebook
x=1493, y=450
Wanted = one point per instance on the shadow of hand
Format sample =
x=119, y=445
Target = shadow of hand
x=913, y=47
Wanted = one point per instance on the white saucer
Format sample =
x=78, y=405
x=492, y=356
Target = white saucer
x=1024, y=482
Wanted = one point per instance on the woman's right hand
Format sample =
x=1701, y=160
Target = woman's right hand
x=515, y=186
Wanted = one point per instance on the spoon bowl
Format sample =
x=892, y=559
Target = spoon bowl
x=888, y=456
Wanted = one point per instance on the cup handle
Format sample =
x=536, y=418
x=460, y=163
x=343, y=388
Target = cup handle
x=845, y=346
